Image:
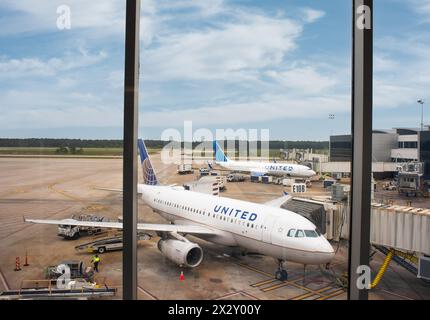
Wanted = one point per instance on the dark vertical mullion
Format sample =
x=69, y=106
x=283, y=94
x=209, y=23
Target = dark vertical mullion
x=131, y=106
x=362, y=99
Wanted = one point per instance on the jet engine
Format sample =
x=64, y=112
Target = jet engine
x=183, y=253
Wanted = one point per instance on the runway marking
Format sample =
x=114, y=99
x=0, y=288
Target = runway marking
x=31, y=225
x=262, y=283
x=332, y=294
x=397, y=295
x=250, y=295
x=307, y=295
x=147, y=293
x=287, y=283
x=254, y=269
x=293, y=283
x=228, y=295
x=64, y=193
x=3, y=280
x=232, y=294
x=283, y=284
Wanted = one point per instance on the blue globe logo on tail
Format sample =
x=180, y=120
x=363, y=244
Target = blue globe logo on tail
x=147, y=169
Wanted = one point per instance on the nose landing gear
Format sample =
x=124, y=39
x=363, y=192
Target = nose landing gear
x=281, y=274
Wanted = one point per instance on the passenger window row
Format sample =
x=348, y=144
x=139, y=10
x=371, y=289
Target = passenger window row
x=224, y=218
x=182, y=207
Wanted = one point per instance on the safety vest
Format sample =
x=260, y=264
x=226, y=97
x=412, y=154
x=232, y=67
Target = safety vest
x=96, y=259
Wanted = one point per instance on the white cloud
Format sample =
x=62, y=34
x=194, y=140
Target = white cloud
x=219, y=44
x=29, y=67
x=383, y=63
x=267, y=108
x=231, y=51
x=31, y=16
x=56, y=108
x=97, y=18
x=311, y=15
x=116, y=79
x=422, y=7
x=204, y=8
x=403, y=77
x=392, y=94
x=306, y=80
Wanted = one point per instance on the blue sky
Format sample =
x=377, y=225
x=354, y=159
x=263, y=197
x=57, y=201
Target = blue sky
x=278, y=65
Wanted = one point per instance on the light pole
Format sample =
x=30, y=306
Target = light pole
x=421, y=102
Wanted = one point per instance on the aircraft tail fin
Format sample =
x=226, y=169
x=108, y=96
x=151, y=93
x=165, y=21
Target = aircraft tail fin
x=147, y=169
x=219, y=153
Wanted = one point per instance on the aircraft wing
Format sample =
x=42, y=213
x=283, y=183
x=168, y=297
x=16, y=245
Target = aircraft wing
x=190, y=229
x=278, y=202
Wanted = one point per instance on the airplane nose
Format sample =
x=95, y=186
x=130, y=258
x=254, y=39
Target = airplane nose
x=312, y=173
x=328, y=250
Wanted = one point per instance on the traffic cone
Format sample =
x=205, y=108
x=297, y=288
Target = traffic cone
x=181, y=277
x=17, y=264
x=26, y=264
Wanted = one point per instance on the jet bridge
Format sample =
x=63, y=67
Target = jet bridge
x=392, y=226
x=311, y=210
x=403, y=230
x=400, y=227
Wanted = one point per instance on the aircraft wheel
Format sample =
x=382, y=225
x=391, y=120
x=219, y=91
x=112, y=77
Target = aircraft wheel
x=281, y=275
x=284, y=274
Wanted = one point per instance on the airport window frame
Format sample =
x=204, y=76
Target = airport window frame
x=361, y=129
x=361, y=125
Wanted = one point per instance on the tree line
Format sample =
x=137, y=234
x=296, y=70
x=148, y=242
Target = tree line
x=105, y=143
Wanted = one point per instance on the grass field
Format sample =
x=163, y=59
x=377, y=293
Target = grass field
x=52, y=151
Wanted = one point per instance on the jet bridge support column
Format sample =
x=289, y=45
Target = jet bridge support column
x=362, y=69
x=131, y=106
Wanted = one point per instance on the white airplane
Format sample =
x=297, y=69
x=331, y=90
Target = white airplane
x=262, y=228
x=261, y=168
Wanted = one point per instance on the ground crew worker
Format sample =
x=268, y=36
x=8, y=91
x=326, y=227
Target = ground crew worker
x=89, y=274
x=95, y=261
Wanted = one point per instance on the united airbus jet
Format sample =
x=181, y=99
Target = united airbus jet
x=262, y=168
x=262, y=228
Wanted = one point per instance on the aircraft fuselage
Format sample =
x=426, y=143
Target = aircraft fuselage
x=267, y=230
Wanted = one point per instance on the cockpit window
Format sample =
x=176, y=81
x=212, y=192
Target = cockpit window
x=311, y=234
x=299, y=234
x=291, y=233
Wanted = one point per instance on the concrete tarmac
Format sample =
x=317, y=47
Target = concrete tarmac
x=58, y=188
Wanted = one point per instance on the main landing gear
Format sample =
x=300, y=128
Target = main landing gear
x=281, y=274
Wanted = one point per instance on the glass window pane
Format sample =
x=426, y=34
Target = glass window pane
x=61, y=145
x=211, y=69
x=401, y=151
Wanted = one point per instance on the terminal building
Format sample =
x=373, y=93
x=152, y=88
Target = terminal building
x=390, y=149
